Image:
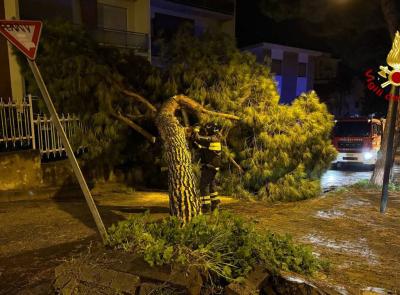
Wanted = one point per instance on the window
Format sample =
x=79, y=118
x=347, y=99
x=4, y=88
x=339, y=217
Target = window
x=376, y=129
x=166, y=26
x=276, y=66
x=112, y=17
x=302, y=70
x=352, y=128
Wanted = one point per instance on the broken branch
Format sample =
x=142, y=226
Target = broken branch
x=187, y=102
x=141, y=99
x=134, y=126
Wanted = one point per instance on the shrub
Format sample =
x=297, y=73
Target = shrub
x=222, y=245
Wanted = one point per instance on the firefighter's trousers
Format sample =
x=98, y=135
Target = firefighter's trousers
x=209, y=194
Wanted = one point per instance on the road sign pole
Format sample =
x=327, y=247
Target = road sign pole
x=389, y=148
x=68, y=149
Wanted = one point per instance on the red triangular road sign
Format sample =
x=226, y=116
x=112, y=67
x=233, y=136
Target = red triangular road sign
x=23, y=34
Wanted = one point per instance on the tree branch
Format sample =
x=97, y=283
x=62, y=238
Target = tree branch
x=186, y=102
x=232, y=160
x=141, y=99
x=134, y=126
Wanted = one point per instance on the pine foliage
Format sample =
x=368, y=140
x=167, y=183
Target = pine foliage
x=86, y=79
x=283, y=148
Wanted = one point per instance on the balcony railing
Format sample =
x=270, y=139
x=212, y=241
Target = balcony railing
x=125, y=39
x=222, y=6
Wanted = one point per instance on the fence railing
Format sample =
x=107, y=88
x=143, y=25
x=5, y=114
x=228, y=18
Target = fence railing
x=125, y=39
x=16, y=124
x=48, y=141
x=21, y=129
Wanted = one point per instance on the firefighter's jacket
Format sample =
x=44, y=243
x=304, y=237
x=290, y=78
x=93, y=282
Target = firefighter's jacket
x=210, y=150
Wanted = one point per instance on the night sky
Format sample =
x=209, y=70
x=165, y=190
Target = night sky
x=362, y=43
x=372, y=46
x=253, y=27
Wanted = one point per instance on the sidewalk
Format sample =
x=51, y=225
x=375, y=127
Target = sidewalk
x=35, y=236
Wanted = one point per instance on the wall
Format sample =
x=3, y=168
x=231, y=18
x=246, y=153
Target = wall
x=298, y=67
x=45, y=9
x=202, y=18
x=289, y=76
x=24, y=177
x=5, y=81
x=20, y=170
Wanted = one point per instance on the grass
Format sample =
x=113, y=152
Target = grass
x=365, y=184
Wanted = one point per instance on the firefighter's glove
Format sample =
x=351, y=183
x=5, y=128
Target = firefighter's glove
x=195, y=134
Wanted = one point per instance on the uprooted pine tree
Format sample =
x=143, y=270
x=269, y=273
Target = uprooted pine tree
x=280, y=150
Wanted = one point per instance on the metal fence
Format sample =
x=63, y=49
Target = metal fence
x=16, y=124
x=21, y=129
x=48, y=141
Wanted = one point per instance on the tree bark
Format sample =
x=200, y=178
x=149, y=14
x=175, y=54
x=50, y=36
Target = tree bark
x=390, y=14
x=183, y=198
x=377, y=175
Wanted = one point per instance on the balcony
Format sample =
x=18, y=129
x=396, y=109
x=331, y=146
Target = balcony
x=123, y=39
x=221, y=6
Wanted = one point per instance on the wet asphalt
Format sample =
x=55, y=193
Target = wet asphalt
x=348, y=175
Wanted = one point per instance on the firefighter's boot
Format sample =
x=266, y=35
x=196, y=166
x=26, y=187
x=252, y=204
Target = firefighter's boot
x=215, y=201
x=205, y=204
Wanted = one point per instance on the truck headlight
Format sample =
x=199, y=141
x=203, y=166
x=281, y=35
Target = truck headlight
x=368, y=155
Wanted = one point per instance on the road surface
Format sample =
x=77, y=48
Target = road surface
x=348, y=176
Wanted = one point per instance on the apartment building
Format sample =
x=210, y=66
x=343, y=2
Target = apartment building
x=129, y=24
x=168, y=15
x=296, y=70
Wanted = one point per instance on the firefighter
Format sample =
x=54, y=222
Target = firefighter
x=208, y=140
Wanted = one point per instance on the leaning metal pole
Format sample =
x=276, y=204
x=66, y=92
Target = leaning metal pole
x=393, y=76
x=389, y=149
x=68, y=149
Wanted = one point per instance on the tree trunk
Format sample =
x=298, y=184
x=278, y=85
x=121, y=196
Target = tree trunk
x=390, y=12
x=183, y=200
x=377, y=175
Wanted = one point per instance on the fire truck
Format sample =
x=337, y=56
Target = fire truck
x=357, y=140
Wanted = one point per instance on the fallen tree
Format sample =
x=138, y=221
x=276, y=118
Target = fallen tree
x=183, y=198
x=278, y=151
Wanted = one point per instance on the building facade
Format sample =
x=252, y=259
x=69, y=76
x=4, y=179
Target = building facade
x=296, y=70
x=129, y=24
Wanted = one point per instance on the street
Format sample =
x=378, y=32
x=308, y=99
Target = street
x=335, y=178
x=36, y=236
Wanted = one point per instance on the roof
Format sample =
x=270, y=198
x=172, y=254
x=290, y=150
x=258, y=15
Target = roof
x=268, y=45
